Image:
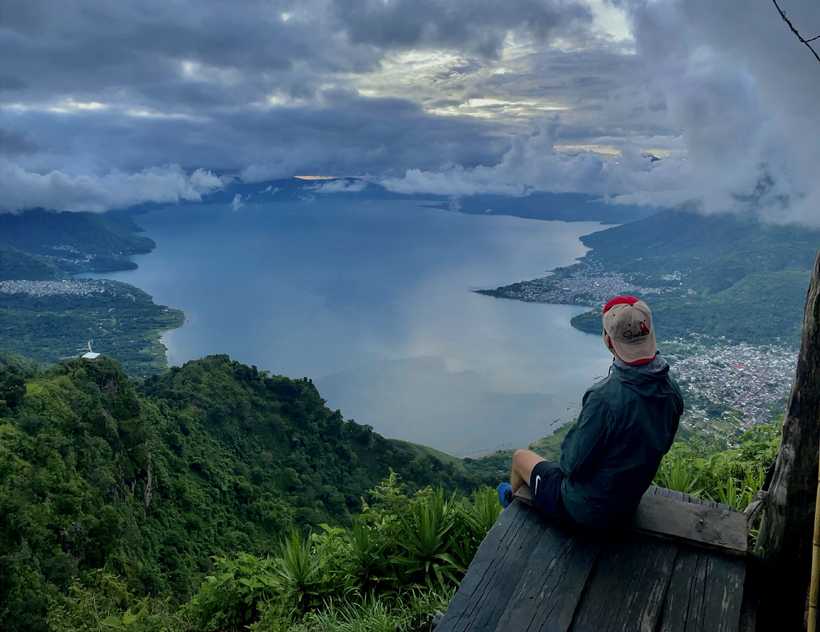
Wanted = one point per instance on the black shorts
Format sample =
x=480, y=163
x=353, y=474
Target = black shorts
x=545, y=487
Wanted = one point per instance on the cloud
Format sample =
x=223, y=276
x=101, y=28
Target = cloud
x=473, y=26
x=58, y=190
x=531, y=164
x=236, y=203
x=342, y=185
x=12, y=143
x=730, y=118
x=744, y=110
x=441, y=96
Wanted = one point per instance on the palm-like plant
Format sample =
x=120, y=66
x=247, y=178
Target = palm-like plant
x=300, y=572
x=482, y=512
x=367, y=560
x=424, y=540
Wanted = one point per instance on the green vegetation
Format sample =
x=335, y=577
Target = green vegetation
x=393, y=569
x=75, y=242
x=15, y=264
x=121, y=320
x=218, y=497
x=48, y=324
x=730, y=475
x=728, y=265
x=215, y=496
x=116, y=496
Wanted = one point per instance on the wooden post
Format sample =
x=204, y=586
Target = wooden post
x=814, y=585
x=785, y=540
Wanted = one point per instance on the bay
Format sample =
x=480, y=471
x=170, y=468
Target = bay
x=372, y=300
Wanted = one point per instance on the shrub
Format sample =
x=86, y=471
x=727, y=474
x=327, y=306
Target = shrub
x=233, y=596
x=732, y=476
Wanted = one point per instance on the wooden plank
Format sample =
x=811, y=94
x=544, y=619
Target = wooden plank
x=684, y=599
x=654, y=490
x=504, y=530
x=552, y=583
x=675, y=516
x=628, y=587
x=524, y=495
x=494, y=572
x=713, y=528
x=724, y=593
x=705, y=594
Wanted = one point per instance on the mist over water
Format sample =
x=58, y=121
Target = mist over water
x=372, y=300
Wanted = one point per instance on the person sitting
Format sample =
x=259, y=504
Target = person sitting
x=627, y=423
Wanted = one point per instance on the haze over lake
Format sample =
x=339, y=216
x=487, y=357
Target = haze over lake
x=372, y=300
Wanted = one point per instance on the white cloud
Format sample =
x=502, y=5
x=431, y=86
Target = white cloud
x=342, y=185
x=532, y=163
x=24, y=189
x=236, y=203
x=428, y=96
x=734, y=120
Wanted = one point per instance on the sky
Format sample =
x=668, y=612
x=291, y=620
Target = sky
x=662, y=102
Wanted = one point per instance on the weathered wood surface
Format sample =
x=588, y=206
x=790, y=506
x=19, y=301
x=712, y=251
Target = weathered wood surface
x=785, y=536
x=531, y=575
x=675, y=516
x=704, y=593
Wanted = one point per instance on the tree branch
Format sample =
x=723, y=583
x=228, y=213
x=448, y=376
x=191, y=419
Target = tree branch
x=796, y=32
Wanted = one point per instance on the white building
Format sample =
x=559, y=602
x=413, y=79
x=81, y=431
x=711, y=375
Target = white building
x=90, y=355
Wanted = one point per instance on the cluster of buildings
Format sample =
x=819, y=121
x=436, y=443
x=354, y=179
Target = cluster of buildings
x=745, y=383
x=726, y=385
x=583, y=284
x=66, y=287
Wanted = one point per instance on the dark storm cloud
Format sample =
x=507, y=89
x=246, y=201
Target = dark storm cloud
x=260, y=88
x=347, y=134
x=100, y=101
x=137, y=50
x=477, y=26
x=12, y=143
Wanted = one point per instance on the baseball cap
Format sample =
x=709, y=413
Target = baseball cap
x=628, y=322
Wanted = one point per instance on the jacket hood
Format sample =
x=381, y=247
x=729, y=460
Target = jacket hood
x=649, y=379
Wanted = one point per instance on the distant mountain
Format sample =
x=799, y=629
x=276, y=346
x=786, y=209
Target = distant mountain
x=714, y=251
x=740, y=278
x=571, y=207
x=722, y=275
x=16, y=264
x=75, y=242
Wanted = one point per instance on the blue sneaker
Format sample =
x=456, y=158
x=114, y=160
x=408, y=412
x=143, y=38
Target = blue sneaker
x=505, y=494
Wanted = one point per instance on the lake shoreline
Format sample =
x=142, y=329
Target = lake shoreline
x=382, y=320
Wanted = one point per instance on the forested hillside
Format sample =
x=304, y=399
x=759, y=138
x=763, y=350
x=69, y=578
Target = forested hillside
x=718, y=275
x=46, y=313
x=146, y=481
x=75, y=242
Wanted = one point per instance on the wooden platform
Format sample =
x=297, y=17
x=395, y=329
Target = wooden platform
x=531, y=575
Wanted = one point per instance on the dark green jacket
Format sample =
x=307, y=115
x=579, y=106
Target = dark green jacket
x=609, y=458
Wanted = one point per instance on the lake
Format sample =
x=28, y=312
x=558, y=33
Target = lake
x=372, y=300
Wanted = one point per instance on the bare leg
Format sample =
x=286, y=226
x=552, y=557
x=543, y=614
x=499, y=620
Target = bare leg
x=522, y=463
